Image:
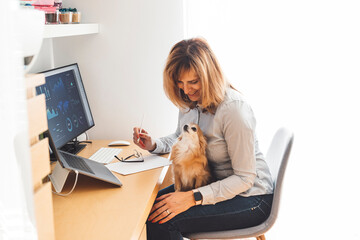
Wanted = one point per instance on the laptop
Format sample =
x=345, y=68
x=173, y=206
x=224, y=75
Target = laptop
x=82, y=165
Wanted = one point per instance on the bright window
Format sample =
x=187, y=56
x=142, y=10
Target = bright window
x=297, y=62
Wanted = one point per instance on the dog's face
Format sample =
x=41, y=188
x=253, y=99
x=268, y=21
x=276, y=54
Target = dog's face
x=193, y=138
x=190, y=166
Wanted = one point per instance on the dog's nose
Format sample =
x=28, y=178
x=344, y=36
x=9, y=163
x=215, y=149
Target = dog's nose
x=186, y=127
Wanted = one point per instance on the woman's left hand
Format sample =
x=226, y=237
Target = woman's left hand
x=169, y=205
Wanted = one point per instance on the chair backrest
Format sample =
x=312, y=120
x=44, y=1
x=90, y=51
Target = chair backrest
x=277, y=158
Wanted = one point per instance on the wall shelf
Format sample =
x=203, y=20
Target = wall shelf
x=65, y=30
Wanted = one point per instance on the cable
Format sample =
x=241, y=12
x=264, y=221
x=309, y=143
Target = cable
x=67, y=194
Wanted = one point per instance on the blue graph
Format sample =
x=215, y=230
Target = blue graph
x=47, y=92
x=63, y=106
x=58, y=87
x=43, y=89
x=51, y=114
x=66, y=106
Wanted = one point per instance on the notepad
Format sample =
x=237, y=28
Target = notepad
x=150, y=162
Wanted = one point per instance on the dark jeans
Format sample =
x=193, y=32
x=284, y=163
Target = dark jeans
x=239, y=212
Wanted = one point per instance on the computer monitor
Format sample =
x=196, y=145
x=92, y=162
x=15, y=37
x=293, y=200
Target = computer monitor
x=68, y=110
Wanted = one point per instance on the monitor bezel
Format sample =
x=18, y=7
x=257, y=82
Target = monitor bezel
x=86, y=98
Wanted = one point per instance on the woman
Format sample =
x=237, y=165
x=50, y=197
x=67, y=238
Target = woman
x=242, y=195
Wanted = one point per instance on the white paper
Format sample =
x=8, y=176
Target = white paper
x=150, y=162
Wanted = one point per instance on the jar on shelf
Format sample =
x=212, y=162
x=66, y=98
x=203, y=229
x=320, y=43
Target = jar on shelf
x=76, y=16
x=65, y=16
x=52, y=17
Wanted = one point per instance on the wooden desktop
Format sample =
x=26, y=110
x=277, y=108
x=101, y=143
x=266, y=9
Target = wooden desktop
x=98, y=210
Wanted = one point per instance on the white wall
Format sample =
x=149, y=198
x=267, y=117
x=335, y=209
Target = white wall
x=122, y=65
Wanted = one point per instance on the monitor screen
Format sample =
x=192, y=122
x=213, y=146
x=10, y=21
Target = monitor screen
x=67, y=107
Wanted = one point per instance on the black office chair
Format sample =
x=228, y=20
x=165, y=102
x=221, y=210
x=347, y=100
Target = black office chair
x=277, y=158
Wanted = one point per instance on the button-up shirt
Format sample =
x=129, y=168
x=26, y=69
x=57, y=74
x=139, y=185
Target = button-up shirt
x=233, y=153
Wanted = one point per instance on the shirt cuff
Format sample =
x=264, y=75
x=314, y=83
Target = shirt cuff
x=158, y=148
x=207, y=194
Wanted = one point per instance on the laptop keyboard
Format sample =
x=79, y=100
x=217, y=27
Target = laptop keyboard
x=76, y=162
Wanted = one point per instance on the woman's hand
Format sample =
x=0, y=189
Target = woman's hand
x=143, y=139
x=169, y=205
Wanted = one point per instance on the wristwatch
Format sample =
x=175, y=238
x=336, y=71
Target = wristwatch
x=197, y=196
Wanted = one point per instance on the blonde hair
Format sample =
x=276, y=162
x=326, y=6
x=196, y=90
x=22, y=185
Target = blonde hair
x=194, y=54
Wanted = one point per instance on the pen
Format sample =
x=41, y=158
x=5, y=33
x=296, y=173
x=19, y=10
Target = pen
x=142, y=119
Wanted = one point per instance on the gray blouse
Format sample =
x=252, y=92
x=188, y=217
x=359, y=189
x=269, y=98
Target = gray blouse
x=232, y=151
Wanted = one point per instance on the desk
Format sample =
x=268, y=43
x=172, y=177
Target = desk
x=97, y=210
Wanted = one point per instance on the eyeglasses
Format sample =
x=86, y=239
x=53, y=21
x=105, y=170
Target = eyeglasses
x=136, y=154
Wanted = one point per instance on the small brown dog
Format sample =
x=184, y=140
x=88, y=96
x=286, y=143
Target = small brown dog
x=189, y=163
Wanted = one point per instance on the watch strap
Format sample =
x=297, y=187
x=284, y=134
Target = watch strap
x=197, y=196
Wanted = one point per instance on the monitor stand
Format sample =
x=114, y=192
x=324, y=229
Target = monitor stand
x=73, y=147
